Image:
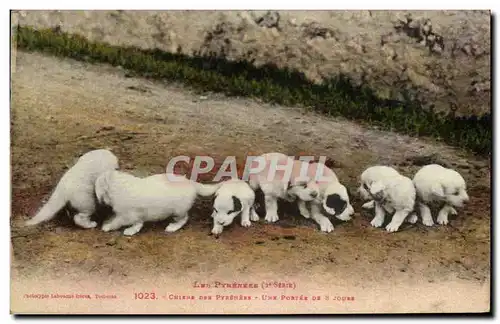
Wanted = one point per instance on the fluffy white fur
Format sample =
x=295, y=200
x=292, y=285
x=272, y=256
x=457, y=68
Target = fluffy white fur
x=370, y=175
x=391, y=192
x=234, y=197
x=280, y=186
x=333, y=197
x=76, y=188
x=435, y=183
x=154, y=198
x=375, y=174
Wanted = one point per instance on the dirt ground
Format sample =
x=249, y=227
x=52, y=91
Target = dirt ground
x=61, y=109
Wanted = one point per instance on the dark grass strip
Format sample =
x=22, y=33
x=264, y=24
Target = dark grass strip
x=335, y=97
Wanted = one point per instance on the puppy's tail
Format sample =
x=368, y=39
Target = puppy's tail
x=55, y=203
x=101, y=188
x=206, y=190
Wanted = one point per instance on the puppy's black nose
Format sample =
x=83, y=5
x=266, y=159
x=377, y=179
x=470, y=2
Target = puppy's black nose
x=314, y=194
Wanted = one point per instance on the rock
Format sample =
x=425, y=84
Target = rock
x=112, y=242
x=357, y=47
x=314, y=29
x=141, y=88
x=389, y=52
x=269, y=20
x=275, y=32
x=106, y=128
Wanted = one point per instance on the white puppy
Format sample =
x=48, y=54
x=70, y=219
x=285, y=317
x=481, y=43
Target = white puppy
x=137, y=200
x=435, y=183
x=369, y=176
x=333, y=197
x=275, y=182
x=374, y=174
x=76, y=188
x=234, y=197
x=391, y=193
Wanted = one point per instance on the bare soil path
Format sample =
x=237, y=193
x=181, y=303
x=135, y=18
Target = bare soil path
x=62, y=108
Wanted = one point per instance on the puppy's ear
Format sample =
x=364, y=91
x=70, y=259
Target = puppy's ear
x=290, y=197
x=377, y=190
x=438, y=190
x=335, y=204
x=237, y=204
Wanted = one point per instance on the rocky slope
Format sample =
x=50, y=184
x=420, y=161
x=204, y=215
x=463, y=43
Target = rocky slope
x=439, y=57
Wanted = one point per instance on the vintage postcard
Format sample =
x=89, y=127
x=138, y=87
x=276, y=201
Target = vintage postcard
x=250, y=162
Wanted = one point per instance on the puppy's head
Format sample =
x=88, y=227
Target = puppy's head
x=336, y=202
x=225, y=209
x=454, y=189
x=306, y=191
x=364, y=191
x=377, y=191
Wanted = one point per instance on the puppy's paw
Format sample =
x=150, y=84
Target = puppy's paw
x=305, y=213
x=217, y=230
x=377, y=222
x=428, y=222
x=106, y=228
x=246, y=223
x=453, y=211
x=254, y=217
x=87, y=225
x=91, y=224
x=326, y=226
x=391, y=228
x=130, y=231
x=412, y=219
x=442, y=220
x=368, y=205
x=171, y=228
x=272, y=218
